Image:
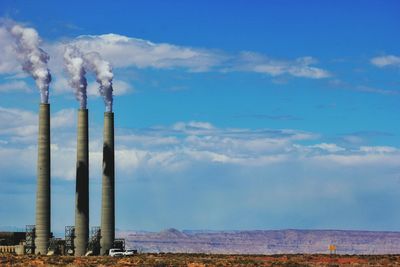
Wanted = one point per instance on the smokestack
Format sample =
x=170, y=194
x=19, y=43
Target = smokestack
x=43, y=182
x=104, y=76
x=108, y=194
x=74, y=64
x=34, y=62
x=82, y=185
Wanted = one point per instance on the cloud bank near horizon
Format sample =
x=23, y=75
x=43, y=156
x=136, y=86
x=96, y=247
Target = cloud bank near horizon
x=177, y=147
x=238, y=170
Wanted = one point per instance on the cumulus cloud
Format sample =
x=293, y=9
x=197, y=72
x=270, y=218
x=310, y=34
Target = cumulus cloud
x=300, y=67
x=123, y=51
x=384, y=61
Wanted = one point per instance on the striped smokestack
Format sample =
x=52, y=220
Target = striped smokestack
x=82, y=185
x=43, y=182
x=107, y=204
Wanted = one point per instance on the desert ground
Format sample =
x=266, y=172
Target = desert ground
x=200, y=260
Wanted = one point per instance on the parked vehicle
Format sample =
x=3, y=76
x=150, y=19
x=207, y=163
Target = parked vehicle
x=116, y=252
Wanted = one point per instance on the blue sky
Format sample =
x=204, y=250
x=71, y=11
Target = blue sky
x=261, y=115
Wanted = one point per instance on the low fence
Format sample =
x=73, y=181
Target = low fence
x=18, y=249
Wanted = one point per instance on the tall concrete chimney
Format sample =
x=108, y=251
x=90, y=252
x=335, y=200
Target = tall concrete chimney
x=82, y=185
x=43, y=182
x=108, y=198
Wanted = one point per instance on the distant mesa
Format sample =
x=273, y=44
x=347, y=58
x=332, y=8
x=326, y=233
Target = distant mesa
x=172, y=232
x=264, y=242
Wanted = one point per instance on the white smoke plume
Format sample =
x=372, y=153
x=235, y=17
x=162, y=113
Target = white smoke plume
x=34, y=59
x=104, y=77
x=74, y=64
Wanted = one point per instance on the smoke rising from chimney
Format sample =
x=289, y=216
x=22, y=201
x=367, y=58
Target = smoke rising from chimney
x=74, y=64
x=33, y=58
x=104, y=76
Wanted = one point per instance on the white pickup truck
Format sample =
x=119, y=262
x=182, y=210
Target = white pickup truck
x=116, y=252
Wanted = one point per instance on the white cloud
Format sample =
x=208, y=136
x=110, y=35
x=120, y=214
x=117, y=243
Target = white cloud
x=93, y=89
x=123, y=51
x=383, y=61
x=14, y=85
x=300, y=67
x=60, y=85
x=122, y=87
x=8, y=59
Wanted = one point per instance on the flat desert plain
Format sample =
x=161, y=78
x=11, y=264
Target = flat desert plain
x=202, y=260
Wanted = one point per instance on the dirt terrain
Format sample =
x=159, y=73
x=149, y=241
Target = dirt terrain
x=202, y=260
